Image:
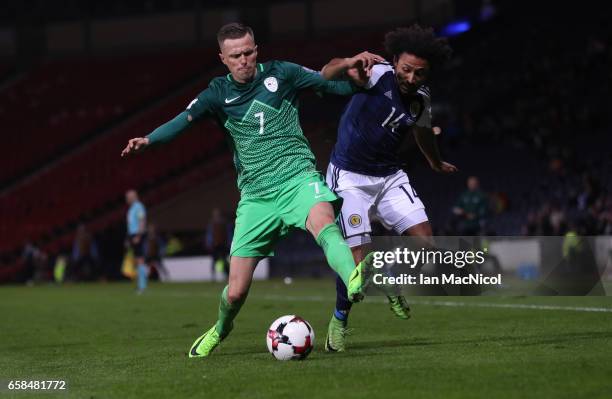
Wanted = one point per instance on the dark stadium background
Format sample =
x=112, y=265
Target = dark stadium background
x=524, y=106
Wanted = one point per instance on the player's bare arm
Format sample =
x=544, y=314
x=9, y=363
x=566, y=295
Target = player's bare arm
x=426, y=140
x=340, y=67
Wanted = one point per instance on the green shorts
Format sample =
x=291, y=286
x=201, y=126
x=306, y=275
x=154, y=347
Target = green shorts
x=261, y=222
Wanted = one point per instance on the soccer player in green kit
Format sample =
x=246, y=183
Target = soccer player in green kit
x=280, y=188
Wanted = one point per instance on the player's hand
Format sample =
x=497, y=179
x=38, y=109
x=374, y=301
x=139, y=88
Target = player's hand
x=364, y=61
x=135, y=145
x=358, y=76
x=444, y=167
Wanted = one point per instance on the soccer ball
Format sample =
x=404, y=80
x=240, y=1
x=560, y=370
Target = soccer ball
x=290, y=338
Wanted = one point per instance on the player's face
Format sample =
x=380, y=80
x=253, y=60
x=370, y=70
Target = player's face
x=473, y=183
x=130, y=197
x=240, y=57
x=411, y=72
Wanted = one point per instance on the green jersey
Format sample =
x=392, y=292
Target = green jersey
x=262, y=122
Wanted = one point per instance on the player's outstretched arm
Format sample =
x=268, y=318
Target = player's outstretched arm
x=359, y=66
x=305, y=78
x=135, y=145
x=162, y=134
x=425, y=138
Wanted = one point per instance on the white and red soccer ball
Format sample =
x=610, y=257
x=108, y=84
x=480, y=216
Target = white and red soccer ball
x=290, y=338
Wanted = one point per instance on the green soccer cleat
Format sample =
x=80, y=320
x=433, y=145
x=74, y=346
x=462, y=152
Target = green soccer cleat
x=399, y=306
x=359, y=278
x=206, y=343
x=336, y=334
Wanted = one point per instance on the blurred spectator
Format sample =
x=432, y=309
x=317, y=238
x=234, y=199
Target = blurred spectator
x=41, y=267
x=217, y=242
x=85, y=259
x=557, y=220
x=604, y=216
x=29, y=252
x=590, y=192
x=530, y=228
x=59, y=269
x=174, y=245
x=36, y=264
x=471, y=209
x=154, y=252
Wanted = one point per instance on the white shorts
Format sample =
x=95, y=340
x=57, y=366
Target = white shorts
x=390, y=199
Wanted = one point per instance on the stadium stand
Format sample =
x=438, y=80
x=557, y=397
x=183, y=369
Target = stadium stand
x=63, y=103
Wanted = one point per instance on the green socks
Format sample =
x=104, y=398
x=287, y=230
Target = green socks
x=336, y=251
x=227, y=313
x=338, y=256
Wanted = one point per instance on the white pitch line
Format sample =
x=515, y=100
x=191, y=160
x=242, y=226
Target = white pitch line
x=317, y=298
x=513, y=306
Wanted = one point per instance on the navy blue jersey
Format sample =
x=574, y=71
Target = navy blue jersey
x=374, y=123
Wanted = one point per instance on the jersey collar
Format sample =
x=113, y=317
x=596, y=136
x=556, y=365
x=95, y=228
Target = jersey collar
x=258, y=72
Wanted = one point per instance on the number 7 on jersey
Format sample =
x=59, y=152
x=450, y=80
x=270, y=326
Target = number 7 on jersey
x=317, y=189
x=260, y=115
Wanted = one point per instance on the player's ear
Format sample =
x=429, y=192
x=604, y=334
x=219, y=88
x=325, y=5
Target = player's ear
x=222, y=58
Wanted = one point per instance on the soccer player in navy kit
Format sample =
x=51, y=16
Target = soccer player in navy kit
x=365, y=168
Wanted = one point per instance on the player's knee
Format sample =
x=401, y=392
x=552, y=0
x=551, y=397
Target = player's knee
x=423, y=230
x=320, y=216
x=236, y=296
x=422, y=234
x=318, y=225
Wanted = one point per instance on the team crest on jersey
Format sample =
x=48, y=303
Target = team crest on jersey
x=354, y=220
x=271, y=84
x=415, y=108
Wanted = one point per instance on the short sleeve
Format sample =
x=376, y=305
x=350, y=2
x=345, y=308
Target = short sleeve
x=140, y=212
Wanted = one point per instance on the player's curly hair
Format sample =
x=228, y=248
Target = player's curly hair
x=421, y=42
x=233, y=30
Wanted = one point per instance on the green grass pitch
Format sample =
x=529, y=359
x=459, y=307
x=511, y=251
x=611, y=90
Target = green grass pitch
x=107, y=342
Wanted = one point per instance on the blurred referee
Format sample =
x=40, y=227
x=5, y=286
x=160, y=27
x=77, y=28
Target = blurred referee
x=136, y=222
